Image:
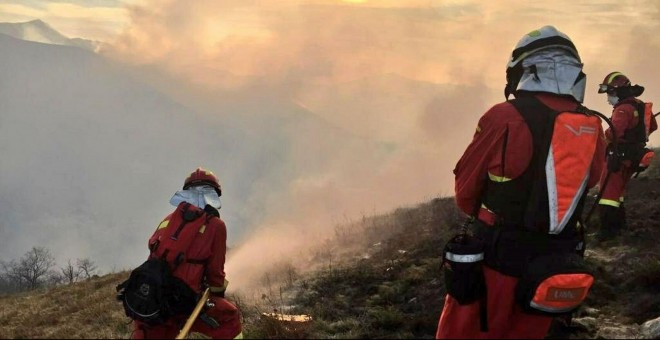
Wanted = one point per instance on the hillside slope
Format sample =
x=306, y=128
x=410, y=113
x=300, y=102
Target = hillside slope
x=82, y=310
x=394, y=288
x=380, y=277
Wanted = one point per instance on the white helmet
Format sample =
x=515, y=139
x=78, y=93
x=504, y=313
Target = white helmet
x=546, y=60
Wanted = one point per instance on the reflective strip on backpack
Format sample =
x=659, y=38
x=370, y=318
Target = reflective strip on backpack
x=468, y=258
x=146, y=316
x=556, y=225
x=549, y=309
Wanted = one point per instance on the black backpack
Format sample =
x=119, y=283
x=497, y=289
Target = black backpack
x=152, y=294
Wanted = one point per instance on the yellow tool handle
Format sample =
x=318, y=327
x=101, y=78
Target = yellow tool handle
x=191, y=320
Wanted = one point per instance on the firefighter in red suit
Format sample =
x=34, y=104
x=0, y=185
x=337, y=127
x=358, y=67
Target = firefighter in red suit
x=632, y=123
x=545, y=66
x=202, y=190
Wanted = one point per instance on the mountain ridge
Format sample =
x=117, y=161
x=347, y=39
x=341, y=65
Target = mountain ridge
x=41, y=32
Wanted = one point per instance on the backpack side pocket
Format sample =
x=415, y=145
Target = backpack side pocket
x=462, y=265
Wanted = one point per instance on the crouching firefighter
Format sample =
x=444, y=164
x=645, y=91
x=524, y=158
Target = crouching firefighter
x=187, y=256
x=633, y=121
x=523, y=179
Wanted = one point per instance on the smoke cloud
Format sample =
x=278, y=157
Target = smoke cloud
x=410, y=76
x=333, y=110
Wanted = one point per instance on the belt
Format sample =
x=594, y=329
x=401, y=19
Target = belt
x=508, y=250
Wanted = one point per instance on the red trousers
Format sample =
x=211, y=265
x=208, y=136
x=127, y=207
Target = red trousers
x=224, y=312
x=505, y=318
x=615, y=186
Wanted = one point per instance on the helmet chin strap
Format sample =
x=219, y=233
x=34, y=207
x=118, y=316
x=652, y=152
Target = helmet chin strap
x=513, y=75
x=507, y=91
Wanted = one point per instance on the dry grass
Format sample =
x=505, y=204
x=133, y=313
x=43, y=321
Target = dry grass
x=84, y=310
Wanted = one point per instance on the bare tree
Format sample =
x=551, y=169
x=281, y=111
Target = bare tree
x=70, y=273
x=291, y=274
x=266, y=280
x=86, y=266
x=54, y=278
x=31, y=270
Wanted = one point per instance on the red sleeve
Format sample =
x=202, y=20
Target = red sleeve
x=471, y=171
x=598, y=162
x=621, y=119
x=215, y=270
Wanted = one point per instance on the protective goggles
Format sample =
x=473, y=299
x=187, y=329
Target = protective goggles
x=602, y=88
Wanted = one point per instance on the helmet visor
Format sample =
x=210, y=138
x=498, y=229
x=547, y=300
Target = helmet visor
x=602, y=88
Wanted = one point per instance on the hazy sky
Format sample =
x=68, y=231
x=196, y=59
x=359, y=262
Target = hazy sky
x=442, y=41
x=411, y=76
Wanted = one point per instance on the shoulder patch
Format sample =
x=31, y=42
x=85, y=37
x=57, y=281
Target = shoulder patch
x=163, y=224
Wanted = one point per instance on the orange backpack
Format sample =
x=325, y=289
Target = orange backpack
x=538, y=236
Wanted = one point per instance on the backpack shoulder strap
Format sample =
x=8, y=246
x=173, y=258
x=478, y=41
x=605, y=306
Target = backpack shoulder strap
x=540, y=121
x=178, y=236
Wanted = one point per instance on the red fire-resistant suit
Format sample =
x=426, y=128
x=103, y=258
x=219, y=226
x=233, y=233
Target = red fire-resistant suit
x=624, y=118
x=482, y=161
x=210, y=246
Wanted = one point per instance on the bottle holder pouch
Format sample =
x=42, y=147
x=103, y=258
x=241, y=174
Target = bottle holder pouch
x=554, y=284
x=462, y=265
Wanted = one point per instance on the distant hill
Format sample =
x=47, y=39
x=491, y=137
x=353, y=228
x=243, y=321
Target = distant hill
x=39, y=31
x=86, y=149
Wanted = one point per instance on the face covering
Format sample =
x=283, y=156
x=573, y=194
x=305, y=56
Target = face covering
x=612, y=100
x=198, y=196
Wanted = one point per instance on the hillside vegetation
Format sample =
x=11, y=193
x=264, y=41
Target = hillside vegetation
x=380, y=277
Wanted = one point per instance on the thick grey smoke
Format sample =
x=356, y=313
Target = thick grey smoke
x=310, y=112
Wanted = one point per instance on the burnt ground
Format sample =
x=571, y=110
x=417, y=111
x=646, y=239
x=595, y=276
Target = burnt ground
x=388, y=283
x=627, y=288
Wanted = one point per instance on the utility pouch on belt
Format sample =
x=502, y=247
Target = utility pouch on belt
x=554, y=284
x=462, y=264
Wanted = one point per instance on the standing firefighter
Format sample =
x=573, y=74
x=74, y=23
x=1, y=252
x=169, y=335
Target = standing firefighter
x=187, y=255
x=523, y=179
x=633, y=121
